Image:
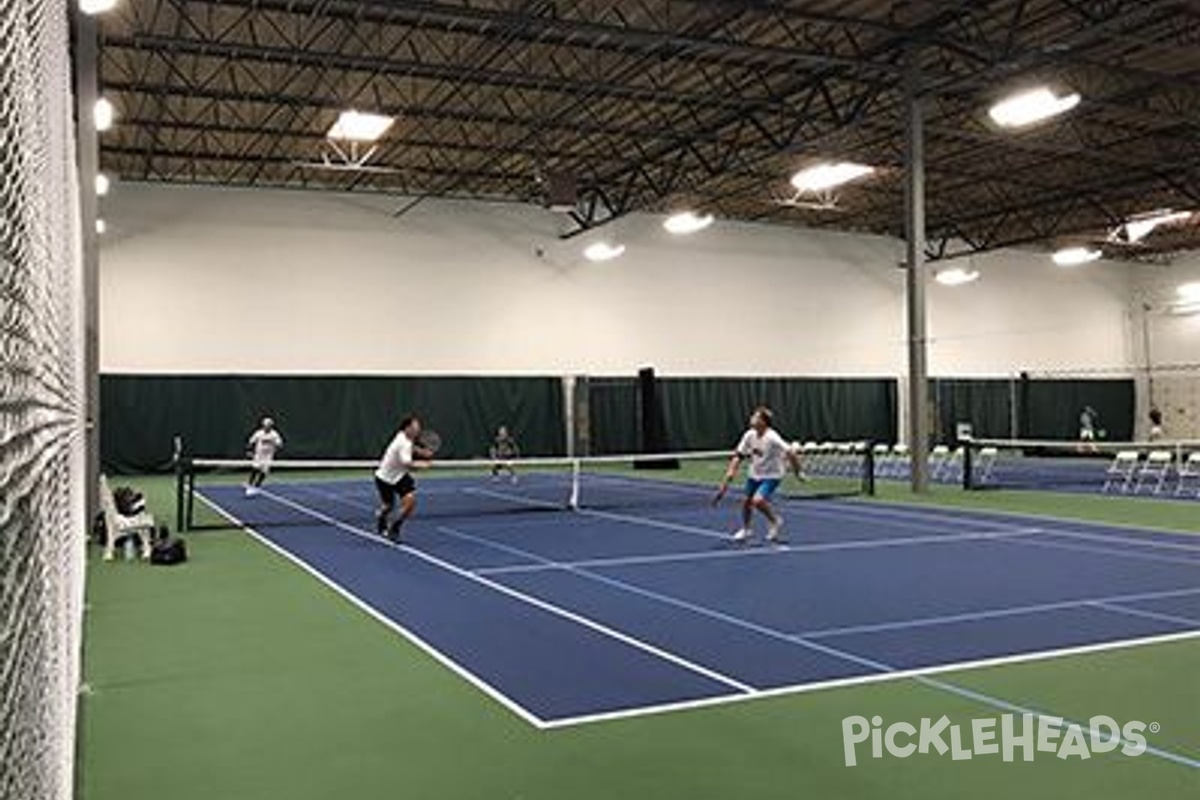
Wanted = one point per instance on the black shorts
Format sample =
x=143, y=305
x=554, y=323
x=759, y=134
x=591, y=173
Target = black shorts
x=388, y=492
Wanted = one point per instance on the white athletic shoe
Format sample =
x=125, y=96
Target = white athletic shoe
x=773, y=529
x=742, y=534
x=252, y=490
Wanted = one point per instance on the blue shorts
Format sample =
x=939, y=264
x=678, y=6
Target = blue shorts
x=762, y=487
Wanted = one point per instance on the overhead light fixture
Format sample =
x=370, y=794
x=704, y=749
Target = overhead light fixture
x=93, y=7
x=101, y=226
x=1074, y=256
x=822, y=177
x=956, y=276
x=1139, y=227
x=358, y=126
x=603, y=251
x=103, y=184
x=103, y=114
x=1035, y=105
x=685, y=222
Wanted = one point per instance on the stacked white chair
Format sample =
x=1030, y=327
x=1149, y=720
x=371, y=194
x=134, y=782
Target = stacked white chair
x=1189, y=470
x=1155, y=470
x=1121, y=471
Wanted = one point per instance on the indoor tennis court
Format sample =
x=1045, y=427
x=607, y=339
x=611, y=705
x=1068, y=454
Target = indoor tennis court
x=539, y=399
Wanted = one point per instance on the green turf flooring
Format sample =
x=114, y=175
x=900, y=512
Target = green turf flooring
x=237, y=676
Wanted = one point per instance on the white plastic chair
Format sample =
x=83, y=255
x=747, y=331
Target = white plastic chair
x=119, y=526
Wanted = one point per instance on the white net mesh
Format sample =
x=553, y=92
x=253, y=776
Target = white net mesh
x=41, y=515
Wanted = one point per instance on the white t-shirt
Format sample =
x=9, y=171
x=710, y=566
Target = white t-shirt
x=396, y=459
x=767, y=453
x=264, y=444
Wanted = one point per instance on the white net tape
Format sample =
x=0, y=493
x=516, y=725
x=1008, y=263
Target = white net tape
x=41, y=522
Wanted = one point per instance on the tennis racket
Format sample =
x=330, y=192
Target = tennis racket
x=430, y=440
x=720, y=495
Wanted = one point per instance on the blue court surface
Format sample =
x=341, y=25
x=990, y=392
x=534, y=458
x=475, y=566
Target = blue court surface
x=573, y=616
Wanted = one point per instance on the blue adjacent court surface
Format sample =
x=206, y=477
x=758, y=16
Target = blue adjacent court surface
x=573, y=616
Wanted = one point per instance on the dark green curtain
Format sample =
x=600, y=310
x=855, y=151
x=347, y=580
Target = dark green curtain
x=986, y=403
x=1051, y=407
x=613, y=416
x=319, y=416
x=709, y=413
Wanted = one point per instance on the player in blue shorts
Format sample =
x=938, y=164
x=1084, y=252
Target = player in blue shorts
x=769, y=457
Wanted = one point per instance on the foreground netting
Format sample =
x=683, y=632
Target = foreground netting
x=1163, y=469
x=297, y=491
x=41, y=517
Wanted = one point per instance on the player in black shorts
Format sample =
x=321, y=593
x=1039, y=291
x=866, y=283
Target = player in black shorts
x=394, y=480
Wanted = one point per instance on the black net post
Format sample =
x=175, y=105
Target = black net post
x=968, y=466
x=868, y=485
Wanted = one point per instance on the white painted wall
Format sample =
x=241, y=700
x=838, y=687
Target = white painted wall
x=213, y=280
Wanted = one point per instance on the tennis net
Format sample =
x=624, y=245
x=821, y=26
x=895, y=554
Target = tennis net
x=1160, y=468
x=211, y=491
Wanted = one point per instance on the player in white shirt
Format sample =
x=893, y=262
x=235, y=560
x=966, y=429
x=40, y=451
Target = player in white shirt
x=393, y=478
x=770, y=456
x=261, y=448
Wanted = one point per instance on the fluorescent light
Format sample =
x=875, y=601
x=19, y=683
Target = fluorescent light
x=1032, y=106
x=1074, y=256
x=1140, y=226
x=104, y=114
x=602, y=251
x=103, y=184
x=101, y=226
x=93, y=7
x=820, y=177
x=956, y=276
x=357, y=126
x=1189, y=292
x=686, y=222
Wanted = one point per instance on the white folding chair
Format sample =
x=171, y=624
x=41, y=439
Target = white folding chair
x=1156, y=469
x=985, y=464
x=883, y=460
x=1121, y=471
x=1189, y=470
x=938, y=457
x=900, y=456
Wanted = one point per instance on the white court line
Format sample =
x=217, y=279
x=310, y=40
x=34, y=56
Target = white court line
x=891, y=510
x=437, y=655
x=887, y=515
x=885, y=671
x=735, y=552
x=918, y=674
x=971, y=616
x=1110, y=551
x=570, y=616
x=1109, y=605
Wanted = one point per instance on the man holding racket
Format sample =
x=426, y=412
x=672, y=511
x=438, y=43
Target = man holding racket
x=261, y=448
x=769, y=457
x=407, y=451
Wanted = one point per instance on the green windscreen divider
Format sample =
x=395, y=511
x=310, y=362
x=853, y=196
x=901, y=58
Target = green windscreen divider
x=1032, y=408
x=613, y=416
x=986, y=403
x=708, y=413
x=319, y=416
